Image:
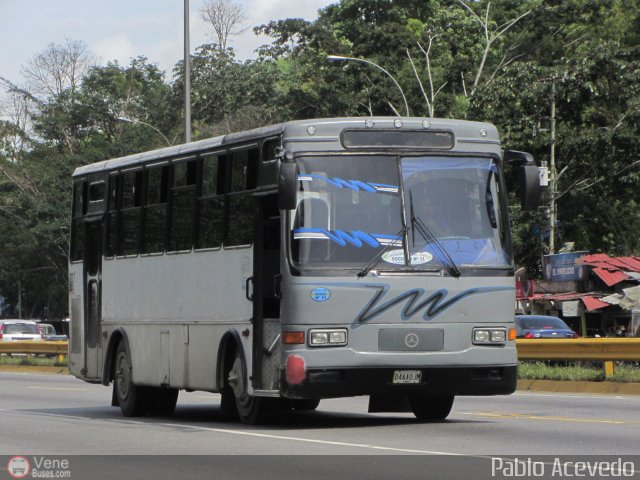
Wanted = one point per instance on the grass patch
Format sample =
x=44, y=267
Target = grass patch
x=577, y=371
x=33, y=361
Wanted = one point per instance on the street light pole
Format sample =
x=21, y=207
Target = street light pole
x=339, y=58
x=187, y=76
x=129, y=120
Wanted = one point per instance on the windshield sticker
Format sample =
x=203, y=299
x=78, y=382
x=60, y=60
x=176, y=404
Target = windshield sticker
x=350, y=184
x=396, y=257
x=321, y=294
x=357, y=238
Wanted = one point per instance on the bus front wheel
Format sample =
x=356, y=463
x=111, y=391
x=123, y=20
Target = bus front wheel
x=431, y=408
x=133, y=399
x=250, y=409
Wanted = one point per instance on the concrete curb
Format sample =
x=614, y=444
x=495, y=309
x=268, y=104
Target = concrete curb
x=558, y=386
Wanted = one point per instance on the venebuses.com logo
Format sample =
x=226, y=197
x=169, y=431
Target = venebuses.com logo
x=18, y=467
x=38, y=467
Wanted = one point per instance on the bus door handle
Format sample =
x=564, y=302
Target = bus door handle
x=249, y=282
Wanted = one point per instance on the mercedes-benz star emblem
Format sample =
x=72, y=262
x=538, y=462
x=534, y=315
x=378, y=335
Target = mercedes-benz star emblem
x=411, y=340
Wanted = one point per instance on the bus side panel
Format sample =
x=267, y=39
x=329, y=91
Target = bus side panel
x=175, y=308
x=76, y=321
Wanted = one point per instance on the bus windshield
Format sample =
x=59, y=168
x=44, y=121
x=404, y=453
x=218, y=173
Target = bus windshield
x=354, y=208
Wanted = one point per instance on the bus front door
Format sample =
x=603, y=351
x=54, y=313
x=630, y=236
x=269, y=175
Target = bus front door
x=266, y=294
x=92, y=300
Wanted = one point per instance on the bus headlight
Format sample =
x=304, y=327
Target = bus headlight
x=489, y=336
x=327, y=337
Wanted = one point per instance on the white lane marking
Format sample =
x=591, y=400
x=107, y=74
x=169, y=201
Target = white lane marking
x=242, y=432
x=576, y=395
x=60, y=388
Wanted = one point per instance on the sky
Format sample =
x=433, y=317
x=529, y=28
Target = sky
x=124, y=29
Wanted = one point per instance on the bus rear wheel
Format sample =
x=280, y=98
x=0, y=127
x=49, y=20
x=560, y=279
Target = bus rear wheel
x=162, y=401
x=133, y=399
x=431, y=408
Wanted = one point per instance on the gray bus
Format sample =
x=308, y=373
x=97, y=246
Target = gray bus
x=300, y=261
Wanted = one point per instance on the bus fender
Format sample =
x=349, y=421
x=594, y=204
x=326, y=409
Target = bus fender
x=225, y=349
x=107, y=370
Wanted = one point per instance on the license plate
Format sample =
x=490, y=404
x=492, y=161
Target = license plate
x=407, y=376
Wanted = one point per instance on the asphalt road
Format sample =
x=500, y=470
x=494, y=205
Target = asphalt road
x=57, y=415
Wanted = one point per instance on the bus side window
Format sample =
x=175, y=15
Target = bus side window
x=269, y=165
x=211, y=202
x=183, y=198
x=111, y=236
x=155, y=209
x=131, y=201
x=77, y=225
x=244, y=165
x=244, y=169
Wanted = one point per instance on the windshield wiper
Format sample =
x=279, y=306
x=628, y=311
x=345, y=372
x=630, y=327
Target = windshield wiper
x=423, y=230
x=375, y=260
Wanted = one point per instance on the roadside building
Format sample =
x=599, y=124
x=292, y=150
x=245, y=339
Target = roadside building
x=596, y=295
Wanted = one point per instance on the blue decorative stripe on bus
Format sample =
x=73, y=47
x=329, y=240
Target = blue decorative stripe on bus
x=350, y=184
x=357, y=238
x=433, y=304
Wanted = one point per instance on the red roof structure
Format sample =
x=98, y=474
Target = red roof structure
x=590, y=301
x=593, y=303
x=610, y=277
x=611, y=270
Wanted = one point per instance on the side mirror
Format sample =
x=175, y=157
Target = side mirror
x=529, y=178
x=287, y=186
x=513, y=156
x=529, y=187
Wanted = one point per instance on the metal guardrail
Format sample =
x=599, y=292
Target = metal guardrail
x=579, y=349
x=603, y=349
x=47, y=347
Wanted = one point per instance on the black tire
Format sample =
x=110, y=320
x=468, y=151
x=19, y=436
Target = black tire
x=431, y=408
x=250, y=410
x=133, y=399
x=228, y=408
x=162, y=401
x=303, y=405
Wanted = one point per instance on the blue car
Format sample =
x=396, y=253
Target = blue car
x=542, y=326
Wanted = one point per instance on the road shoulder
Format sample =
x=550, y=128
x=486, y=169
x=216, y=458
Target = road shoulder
x=556, y=386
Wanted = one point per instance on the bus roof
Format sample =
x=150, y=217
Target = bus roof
x=326, y=130
x=182, y=150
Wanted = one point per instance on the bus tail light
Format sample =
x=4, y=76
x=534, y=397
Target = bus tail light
x=296, y=369
x=293, y=338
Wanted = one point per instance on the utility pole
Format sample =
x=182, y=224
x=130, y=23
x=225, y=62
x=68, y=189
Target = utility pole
x=552, y=173
x=19, y=298
x=187, y=76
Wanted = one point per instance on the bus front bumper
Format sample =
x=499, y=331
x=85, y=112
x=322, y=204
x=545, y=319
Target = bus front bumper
x=336, y=382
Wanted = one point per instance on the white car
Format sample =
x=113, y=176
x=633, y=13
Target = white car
x=19, y=330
